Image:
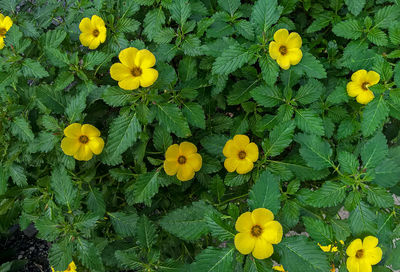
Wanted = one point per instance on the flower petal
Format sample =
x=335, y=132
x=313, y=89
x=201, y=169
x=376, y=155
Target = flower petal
x=70, y=146
x=73, y=130
x=251, y=152
x=148, y=77
x=273, y=50
x=373, y=77
x=127, y=56
x=96, y=144
x=359, y=76
x=244, y=223
x=90, y=131
x=94, y=43
x=262, y=249
x=353, y=89
x=102, y=34
x=281, y=35
x=231, y=164
x=7, y=23
x=230, y=149
x=364, y=266
x=97, y=21
x=129, y=84
x=186, y=148
x=171, y=167
x=119, y=72
x=352, y=264
x=294, y=40
x=365, y=97
x=244, y=166
x=145, y=59
x=241, y=141
x=262, y=216
x=273, y=232
x=283, y=61
x=84, y=153
x=185, y=172
x=195, y=161
x=172, y=153
x=86, y=38
x=244, y=242
x=1, y=43
x=373, y=255
x=353, y=247
x=295, y=55
x=85, y=26
x=370, y=242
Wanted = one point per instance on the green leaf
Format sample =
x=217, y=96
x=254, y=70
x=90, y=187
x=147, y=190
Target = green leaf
x=329, y=195
x=387, y=173
x=22, y=129
x=180, y=11
x=377, y=37
x=310, y=92
x=125, y=25
x=265, y=193
x=187, y=223
x=170, y=116
x=357, y=56
x=146, y=232
x=47, y=229
x=96, y=202
x=89, y=255
x=279, y=138
x=309, y=121
x=218, y=228
x=355, y=6
x=362, y=220
x=233, y=179
x=18, y=176
x=386, y=16
x=315, y=151
x=153, y=22
x=76, y=105
x=269, y=69
x=374, y=151
x=245, y=28
x=194, y=113
x=117, y=97
x=310, y=66
x=62, y=186
x=348, y=162
x=32, y=68
x=124, y=224
x=229, y=6
x=95, y=58
x=349, y=29
x=318, y=230
x=53, y=38
x=161, y=138
x=264, y=14
x=298, y=254
x=214, y=144
x=214, y=260
x=192, y=45
x=374, y=115
x=145, y=187
x=60, y=255
x=231, y=59
x=379, y=197
x=321, y=21
x=128, y=259
x=267, y=96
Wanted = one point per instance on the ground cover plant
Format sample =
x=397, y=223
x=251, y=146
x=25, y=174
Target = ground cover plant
x=203, y=135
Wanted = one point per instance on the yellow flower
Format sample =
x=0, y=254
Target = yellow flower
x=286, y=48
x=330, y=248
x=257, y=232
x=182, y=160
x=363, y=254
x=81, y=141
x=71, y=268
x=134, y=69
x=333, y=269
x=279, y=268
x=93, y=32
x=5, y=25
x=358, y=86
x=240, y=154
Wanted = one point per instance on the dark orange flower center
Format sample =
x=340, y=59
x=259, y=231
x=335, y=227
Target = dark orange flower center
x=360, y=253
x=365, y=85
x=136, y=71
x=283, y=50
x=242, y=155
x=3, y=32
x=96, y=32
x=182, y=160
x=83, y=139
x=256, y=230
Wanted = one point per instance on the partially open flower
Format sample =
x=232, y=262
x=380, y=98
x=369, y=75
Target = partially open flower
x=286, y=48
x=359, y=85
x=93, y=32
x=240, y=154
x=5, y=25
x=363, y=254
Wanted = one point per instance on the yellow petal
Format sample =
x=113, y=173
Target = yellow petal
x=90, y=131
x=119, y=72
x=294, y=41
x=283, y=61
x=85, y=26
x=171, y=167
x=295, y=55
x=185, y=172
x=230, y=149
x=262, y=249
x=273, y=232
x=102, y=34
x=72, y=266
x=373, y=255
x=195, y=161
x=244, y=223
x=241, y=141
x=372, y=77
x=359, y=76
x=7, y=23
x=94, y=43
x=129, y=84
x=172, y=153
x=73, y=130
x=97, y=21
x=84, y=153
x=145, y=59
x=70, y=146
x=251, y=152
x=1, y=43
x=353, y=247
x=86, y=38
x=370, y=242
x=127, y=56
x=262, y=216
x=244, y=166
x=52, y=269
x=1, y=18
x=244, y=242
x=352, y=264
x=186, y=148
x=365, y=266
x=353, y=88
x=231, y=164
x=148, y=77
x=273, y=50
x=365, y=97
x=96, y=144
x=281, y=35
x=278, y=268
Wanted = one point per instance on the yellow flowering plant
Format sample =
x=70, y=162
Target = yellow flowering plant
x=197, y=135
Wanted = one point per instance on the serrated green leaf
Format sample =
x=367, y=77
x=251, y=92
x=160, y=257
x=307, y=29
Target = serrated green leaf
x=22, y=129
x=218, y=228
x=267, y=96
x=374, y=115
x=374, y=151
x=170, y=116
x=362, y=220
x=194, y=113
x=145, y=187
x=279, y=138
x=62, y=185
x=231, y=59
x=146, y=232
x=265, y=193
x=309, y=122
x=264, y=14
x=60, y=255
x=124, y=223
x=387, y=173
x=379, y=197
x=310, y=66
x=348, y=162
x=318, y=230
x=116, y=97
x=214, y=260
x=315, y=151
x=349, y=29
x=355, y=6
x=329, y=195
